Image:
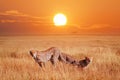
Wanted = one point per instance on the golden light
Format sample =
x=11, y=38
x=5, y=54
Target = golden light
x=60, y=19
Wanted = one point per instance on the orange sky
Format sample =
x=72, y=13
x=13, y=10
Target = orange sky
x=35, y=16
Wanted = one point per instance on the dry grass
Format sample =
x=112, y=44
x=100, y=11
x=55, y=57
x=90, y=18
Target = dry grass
x=17, y=64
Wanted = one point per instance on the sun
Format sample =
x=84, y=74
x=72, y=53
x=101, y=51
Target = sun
x=60, y=19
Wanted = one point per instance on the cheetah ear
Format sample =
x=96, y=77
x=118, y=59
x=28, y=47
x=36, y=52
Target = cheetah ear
x=91, y=59
x=31, y=53
x=86, y=58
x=34, y=55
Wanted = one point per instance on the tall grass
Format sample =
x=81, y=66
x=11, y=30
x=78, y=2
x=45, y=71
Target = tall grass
x=17, y=64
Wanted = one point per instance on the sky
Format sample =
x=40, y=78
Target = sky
x=36, y=17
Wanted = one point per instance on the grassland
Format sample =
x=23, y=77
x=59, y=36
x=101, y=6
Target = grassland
x=17, y=64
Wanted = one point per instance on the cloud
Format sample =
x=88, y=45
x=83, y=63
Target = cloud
x=14, y=16
x=100, y=25
x=12, y=13
x=7, y=21
x=13, y=22
x=95, y=26
x=94, y=29
x=87, y=26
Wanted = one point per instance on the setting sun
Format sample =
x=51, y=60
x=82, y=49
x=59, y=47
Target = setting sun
x=60, y=19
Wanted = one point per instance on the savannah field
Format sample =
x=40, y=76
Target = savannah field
x=17, y=64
